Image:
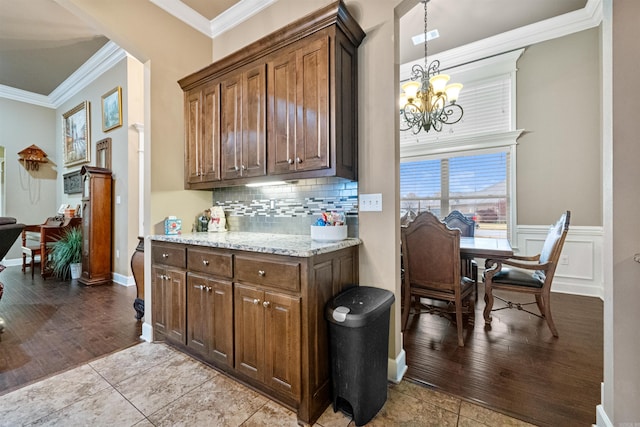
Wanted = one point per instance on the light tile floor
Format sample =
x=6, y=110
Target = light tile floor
x=155, y=385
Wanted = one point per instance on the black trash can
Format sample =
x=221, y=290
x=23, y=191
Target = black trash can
x=359, y=341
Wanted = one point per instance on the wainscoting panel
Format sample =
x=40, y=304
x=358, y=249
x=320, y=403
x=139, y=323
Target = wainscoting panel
x=580, y=269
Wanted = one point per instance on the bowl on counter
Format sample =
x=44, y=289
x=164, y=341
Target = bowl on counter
x=328, y=233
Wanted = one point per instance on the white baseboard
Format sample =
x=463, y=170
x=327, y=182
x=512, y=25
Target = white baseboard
x=147, y=332
x=123, y=280
x=396, y=368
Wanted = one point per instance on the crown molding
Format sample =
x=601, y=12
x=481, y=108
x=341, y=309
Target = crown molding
x=20, y=95
x=185, y=14
x=236, y=14
x=103, y=60
x=230, y=18
x=579, y=20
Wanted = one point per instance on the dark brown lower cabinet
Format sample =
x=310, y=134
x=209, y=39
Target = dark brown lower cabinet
x=209, y=317
x=267, y=336
x=259, y=317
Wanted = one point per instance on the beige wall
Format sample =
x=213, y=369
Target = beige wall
x=30, y=195
x=124, y=231
x=558, y=106
x=170, y=50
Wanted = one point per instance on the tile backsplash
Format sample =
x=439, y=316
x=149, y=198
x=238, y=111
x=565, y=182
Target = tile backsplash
x=289, y=208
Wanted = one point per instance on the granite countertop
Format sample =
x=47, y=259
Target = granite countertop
x=279, y=244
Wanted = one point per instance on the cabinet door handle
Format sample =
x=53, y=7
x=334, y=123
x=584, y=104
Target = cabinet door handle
x=209, y=288
x=165, y=255
x=261, y=273
x=266, y=304
x=164, y=277
x=201, y=287
x=298, y=160
x=205, y=261
x=256, y=301
x=290, y=161
x=236, y=168
x=244, y=167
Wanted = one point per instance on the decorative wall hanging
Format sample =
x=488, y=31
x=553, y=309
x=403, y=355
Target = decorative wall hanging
x=112, y=109
x=76, y=135
x=72, y=182
x=103, y=153
x=32, y=156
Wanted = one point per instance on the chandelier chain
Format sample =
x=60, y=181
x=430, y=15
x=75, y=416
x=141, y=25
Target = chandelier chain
x=425, y=34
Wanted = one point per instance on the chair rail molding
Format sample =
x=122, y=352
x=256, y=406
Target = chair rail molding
x=580, y=269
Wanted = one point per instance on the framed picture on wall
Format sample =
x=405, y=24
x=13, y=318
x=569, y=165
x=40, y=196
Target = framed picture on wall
x=76, y=135
x=112, y=109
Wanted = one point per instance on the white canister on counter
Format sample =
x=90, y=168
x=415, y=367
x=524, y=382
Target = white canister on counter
x=218, y=221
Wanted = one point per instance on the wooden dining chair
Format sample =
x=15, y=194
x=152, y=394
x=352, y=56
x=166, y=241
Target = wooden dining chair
x=431, y=252
x=531, y=275
x=467, y=227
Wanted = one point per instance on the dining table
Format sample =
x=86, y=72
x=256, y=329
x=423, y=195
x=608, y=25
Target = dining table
x=485, y=247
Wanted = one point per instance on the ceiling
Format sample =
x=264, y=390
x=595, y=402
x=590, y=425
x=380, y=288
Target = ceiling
x=42, y=44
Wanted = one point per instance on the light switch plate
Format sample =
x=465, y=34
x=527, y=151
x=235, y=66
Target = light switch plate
x=370, y=202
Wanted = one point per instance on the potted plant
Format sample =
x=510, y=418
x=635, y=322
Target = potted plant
x=66, y=252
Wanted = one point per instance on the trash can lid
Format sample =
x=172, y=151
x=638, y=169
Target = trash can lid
x=358, y=306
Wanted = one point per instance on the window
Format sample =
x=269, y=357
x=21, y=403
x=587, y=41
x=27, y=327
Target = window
x=469, y=166
x=476, y=184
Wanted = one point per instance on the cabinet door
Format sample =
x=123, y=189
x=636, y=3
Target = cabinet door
x=193, y=116
x=254, y=93
x=312, y=102
x=159, y=311
x=281, y=120
x=211, y=131
x=249, y=331
x=243, y=134
x=220, y=295
x=210, y=318
x=231, y=127
x=169, y=309
x=198, y=318
x=177, y=306
x=202, y=122
x=282, y=342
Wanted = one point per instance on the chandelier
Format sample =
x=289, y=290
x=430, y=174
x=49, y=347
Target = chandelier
x=427, y=101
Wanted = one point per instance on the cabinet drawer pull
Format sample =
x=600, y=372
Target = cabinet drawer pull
x=266, y=304
x=200, y=287
x=256, y=301
x=205, y=261
x=261, y=273
x=165, y=255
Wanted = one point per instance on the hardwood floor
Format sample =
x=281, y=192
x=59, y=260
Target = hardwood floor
x=516, y=366
x=53, y=325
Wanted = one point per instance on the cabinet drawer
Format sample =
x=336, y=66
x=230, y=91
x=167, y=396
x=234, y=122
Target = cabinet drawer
x=210, y=262
x=284, y=273
x=173, y=255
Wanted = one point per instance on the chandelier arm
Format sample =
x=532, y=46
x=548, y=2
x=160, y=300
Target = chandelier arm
x=426, y=110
